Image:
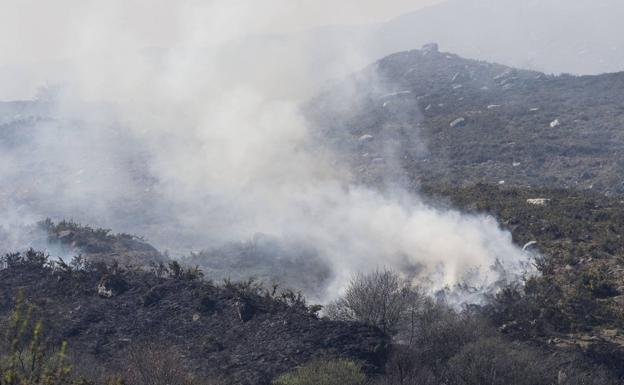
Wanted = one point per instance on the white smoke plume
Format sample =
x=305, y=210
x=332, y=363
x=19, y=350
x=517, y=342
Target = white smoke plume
x=202, y=142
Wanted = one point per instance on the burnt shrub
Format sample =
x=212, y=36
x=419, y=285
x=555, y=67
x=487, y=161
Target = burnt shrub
x=30, y=259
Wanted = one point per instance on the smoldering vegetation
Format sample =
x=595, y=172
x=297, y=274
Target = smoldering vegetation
x=216, y=200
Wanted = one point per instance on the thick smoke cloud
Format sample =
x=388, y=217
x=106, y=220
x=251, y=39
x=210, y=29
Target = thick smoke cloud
x=202, y=143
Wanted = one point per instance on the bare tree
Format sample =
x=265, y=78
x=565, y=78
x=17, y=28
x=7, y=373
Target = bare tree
x=157, y=365
x=380, y=298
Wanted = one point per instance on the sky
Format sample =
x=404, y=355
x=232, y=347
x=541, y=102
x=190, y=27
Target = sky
x=34, y=30
x=351, y=11
x=46, y=35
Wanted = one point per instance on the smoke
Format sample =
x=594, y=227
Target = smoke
x=202, y=143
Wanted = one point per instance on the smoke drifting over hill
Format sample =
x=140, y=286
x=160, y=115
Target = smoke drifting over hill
x=196, y=145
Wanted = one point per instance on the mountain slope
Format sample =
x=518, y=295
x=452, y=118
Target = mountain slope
x=456, y=121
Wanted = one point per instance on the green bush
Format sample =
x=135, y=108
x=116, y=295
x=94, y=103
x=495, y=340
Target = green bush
x=325, y=372
x=25, y=358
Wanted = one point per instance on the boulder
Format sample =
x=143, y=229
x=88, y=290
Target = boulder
x=111, y=285
x=431, y=47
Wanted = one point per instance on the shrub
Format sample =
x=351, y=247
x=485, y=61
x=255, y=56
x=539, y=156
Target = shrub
x=178, y=272
x=378, y=299
x=598, y=281
x=493, y=361
x=156, y=365
x=325, y=372
x=30, y=259
x=25, y=358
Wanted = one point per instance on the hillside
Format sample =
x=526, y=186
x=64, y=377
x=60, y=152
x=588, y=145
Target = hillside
x=540, y=153
x=567, y=319
x=453, y=121
x=234, y=332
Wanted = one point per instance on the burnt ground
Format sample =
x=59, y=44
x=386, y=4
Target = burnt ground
x=238, y=333
x=433, y=117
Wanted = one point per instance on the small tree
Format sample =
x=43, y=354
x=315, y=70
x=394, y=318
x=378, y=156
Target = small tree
x=378, y=299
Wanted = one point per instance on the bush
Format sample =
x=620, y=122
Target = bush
x=378, y=299
x=178, y=272
x=30, y=259
x=326, y=372
x=156, y=365
x=25, y=358
x=492, y=361
x=599, y=282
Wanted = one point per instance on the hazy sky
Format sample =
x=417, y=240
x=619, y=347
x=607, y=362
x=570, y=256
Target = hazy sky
x=31, y=29
x=320, y=12
x=38, y=38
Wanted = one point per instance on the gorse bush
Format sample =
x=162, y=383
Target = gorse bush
x=325, y=372
x=25, y=358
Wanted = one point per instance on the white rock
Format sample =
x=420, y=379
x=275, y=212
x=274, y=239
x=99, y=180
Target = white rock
x=538, y=201
x=459, y=122
x=104, y=292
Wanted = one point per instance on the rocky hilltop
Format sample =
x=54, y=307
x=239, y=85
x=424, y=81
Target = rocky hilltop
x=449, y=120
